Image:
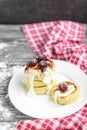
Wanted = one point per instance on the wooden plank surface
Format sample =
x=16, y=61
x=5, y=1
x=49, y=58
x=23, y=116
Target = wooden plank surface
x=14, y=53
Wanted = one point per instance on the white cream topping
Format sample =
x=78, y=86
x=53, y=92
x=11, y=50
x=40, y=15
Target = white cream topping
x=71, y=88
x=30, y=77
x=46, y=77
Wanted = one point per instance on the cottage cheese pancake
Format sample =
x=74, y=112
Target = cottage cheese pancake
x=40, y=75
x=65, y=93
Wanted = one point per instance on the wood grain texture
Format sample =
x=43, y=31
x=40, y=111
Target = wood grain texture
x=14, y=53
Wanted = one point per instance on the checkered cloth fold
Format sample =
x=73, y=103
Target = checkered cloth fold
x=62, y=40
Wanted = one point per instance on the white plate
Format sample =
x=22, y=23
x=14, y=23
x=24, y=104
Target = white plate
x=40, y=106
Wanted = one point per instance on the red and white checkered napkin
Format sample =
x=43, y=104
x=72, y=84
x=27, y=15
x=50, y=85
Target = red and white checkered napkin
x=61, y=40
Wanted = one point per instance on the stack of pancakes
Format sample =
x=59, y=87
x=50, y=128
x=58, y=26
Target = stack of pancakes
x=39, y=86
x=40, y=78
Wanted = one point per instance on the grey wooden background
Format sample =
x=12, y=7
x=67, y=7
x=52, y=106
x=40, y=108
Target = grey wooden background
x=29, y=11
x=14, y=53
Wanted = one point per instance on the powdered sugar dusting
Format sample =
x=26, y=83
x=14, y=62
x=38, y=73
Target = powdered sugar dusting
x=3, y=64
x=6, y=71
x=3, y=45
x=5, y=111
x=6, y=126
